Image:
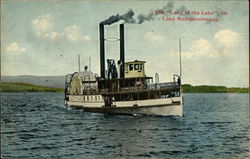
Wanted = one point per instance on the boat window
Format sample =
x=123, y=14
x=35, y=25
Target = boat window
x=136, y=66
x=83, y=98
x=141, y=66
x=96, y=98
x=131, y=67
x=87, y=98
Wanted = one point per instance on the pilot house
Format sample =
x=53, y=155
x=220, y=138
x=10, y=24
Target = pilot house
x=134, y=69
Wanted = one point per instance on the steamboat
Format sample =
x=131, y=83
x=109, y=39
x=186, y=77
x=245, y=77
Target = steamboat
x=123, y=88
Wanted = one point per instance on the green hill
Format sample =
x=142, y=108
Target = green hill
x=24, y=87
x=187, y=88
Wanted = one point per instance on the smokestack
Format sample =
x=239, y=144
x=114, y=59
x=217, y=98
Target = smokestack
x=102, y=51
x=122, y=51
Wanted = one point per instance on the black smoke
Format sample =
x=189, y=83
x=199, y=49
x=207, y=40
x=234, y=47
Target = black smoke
x=128, y=17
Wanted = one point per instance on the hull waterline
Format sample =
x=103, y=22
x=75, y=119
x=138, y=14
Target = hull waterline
x=162, y=107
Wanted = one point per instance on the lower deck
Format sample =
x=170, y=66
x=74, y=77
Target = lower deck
x=161, y=106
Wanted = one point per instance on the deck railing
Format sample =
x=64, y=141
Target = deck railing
x=151, y=86
x=162, y=85
x=155, y=86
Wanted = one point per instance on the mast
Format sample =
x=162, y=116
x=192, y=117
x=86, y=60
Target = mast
x=180, y=56
x=78, y=63
x=89, y=63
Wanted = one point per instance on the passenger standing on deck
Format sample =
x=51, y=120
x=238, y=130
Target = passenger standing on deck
x=179, y=81
x=174, y=81
x=179, y=84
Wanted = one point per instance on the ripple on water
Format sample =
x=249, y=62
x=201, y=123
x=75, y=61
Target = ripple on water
x=39, y=125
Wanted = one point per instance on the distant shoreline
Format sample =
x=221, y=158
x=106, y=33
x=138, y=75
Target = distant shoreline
x=25, y=87
x=186, y=88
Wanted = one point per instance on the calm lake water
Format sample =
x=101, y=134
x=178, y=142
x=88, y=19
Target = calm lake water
x=38, y=125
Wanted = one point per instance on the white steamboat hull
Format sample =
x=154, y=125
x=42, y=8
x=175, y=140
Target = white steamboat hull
x=162, y=106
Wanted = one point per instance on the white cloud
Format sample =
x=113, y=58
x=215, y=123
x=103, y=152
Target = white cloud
x=15, y=47
x=74, y=33
x=219, y=46
x=53, y=35
x=203, y=47
x=47, y=35
x=226, y=37
x=151, y=36
x=43, y=23
x=23, y=50
x=86, y=37
x=43, y=27
x=199, y=47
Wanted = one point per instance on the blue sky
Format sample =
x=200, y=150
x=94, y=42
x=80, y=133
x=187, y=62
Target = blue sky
x=45, y=37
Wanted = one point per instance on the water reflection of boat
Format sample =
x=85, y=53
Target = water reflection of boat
x=122, y=90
